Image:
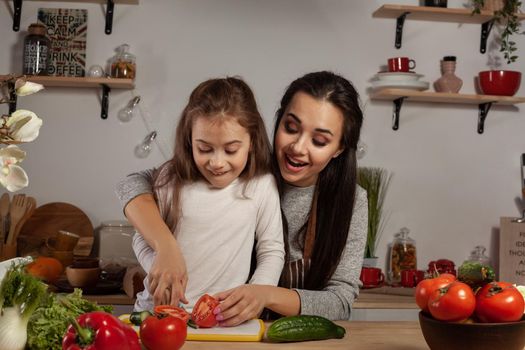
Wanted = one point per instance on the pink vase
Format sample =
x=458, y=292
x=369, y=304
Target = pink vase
x=448, y=82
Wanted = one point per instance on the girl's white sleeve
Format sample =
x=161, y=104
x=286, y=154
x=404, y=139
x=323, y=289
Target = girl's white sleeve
x=269, y=234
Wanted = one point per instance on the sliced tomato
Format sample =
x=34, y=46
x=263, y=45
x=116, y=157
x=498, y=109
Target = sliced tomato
x=202, y=313
x=165, y=310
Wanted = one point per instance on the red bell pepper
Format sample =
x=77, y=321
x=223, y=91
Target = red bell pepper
x=163, y=332
x=99, y=331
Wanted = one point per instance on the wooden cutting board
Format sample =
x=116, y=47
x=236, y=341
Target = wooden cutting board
x=47, y=220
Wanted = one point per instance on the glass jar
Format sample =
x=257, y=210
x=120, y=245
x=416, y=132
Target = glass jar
x=402, y=255
x=37, y=50
x=114, y=241
x=478, y=255
x=122, y=65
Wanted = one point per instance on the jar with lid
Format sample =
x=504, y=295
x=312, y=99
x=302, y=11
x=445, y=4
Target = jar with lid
x=37, y=50
x=123, y=65
x=114, y=239
x=478, y=255
x=402, y=255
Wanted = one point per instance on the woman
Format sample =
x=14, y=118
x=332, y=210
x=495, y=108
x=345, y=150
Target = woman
x=325, y=212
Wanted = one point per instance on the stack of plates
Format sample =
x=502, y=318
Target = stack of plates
x=399, y=80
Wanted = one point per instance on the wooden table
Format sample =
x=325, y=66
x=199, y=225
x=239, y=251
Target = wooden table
x=359, y=336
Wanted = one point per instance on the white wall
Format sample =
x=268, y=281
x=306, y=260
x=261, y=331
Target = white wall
x=450, y=184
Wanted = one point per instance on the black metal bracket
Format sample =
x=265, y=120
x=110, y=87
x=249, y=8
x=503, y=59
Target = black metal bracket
x=105, y=101
x=483, y=111
x=17, y=13
x=485, y=32
x=109, y=16
x=12, y=97
x=398, y=102
x=399, y=29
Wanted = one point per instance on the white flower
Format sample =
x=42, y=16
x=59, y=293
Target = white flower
x=12, y=176
x=29, y=131
x=24, y=88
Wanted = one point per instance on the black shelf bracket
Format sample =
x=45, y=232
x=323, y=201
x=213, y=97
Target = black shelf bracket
x=12, y=97
x=105, y=101
x=399, y=29
x=17, y=13
x=110, y=9
x=485, y=32
x=483, y=111
x=398, y=102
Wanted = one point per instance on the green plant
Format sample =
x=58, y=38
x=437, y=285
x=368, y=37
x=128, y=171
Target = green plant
x=375, y=182
x=507, y=16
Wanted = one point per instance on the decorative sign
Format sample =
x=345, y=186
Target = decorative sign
x=67, y=29
x=512, y=251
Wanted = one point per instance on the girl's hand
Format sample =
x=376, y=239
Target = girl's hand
x=240, y=304
x=168, y=277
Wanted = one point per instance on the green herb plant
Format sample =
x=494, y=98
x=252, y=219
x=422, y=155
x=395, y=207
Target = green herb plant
x=375, y=182
x=507, y=16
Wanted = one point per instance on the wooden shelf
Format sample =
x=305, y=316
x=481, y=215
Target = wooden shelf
x=80, y=82
x=436, y=14
x=442, y=97
x=484, y=102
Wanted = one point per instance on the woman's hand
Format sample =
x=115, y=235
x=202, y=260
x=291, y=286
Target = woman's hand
x=168, y=276
x=240, y=304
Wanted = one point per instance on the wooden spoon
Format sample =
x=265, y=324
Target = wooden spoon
x=18, y=209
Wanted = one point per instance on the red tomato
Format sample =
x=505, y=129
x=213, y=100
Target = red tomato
x=454, y=302
x=164, y=333
x=202, y=313
x=499, y=302
x=425, y=288
x=163, y=310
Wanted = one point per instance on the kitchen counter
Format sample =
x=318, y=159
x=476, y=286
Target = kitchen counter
x=368, y=299
x=359, y=336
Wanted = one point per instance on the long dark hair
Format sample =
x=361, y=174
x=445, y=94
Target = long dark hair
x=336, y=185
x=214, y=98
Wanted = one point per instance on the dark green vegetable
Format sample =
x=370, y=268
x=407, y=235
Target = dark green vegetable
x=137, y=317
x=302, y=328
x=475, y=274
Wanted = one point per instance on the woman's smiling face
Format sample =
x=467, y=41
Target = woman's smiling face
x=308, y=137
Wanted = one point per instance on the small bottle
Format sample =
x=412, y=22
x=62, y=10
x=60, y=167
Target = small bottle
x=122, y=65
x=448, y=82
x=402, y=256
x=37, y=48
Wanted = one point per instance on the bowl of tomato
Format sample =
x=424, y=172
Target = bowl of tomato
x=442, y=335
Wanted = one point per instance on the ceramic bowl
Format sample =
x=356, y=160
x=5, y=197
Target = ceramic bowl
x=441, y=335
x=82, y=277
x=499, y=82
x=85, y=262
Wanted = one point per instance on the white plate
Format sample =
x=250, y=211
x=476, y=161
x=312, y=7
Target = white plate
x=396, y=76
x=412, y=85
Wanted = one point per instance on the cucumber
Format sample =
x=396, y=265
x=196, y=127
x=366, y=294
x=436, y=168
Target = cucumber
x=475, y=274
x=137, y=317
x=302, y=328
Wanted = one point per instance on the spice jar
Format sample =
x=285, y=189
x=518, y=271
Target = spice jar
x=478, y=255
x=402, y=255
x=37, y=48
x=122, y=65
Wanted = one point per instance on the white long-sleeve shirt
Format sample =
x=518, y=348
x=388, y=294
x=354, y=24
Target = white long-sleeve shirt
x=216, y=233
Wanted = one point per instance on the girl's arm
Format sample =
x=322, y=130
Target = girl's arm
x=160, y=256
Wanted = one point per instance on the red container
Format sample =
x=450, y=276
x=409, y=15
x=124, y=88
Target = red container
x=499, y=82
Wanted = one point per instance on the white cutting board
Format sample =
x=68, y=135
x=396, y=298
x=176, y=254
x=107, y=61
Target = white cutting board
x=249, y=331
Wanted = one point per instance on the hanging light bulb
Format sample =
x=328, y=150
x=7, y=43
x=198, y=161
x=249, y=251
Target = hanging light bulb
x=126, y=113
x=143, y=149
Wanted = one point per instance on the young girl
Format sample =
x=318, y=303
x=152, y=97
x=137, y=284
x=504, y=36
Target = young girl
x=216, y=197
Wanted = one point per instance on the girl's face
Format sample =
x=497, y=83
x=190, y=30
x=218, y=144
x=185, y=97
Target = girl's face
x=307, y=138
x=220, y=148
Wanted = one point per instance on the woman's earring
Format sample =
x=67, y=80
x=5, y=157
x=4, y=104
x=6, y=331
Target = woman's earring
x=361, y=149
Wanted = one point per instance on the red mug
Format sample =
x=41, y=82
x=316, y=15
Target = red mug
x=371, y=276
x=400, y=64
x=410, y=278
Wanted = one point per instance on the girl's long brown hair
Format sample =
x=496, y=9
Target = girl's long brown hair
x=336, y=184
x=222, y=97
